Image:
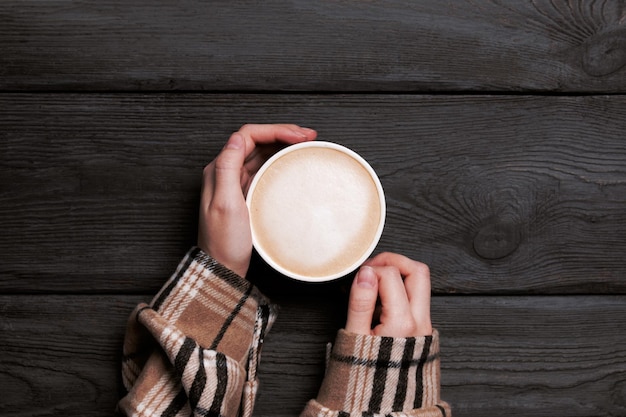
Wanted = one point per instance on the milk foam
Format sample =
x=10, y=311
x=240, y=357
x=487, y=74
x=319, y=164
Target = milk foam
x=315, y=211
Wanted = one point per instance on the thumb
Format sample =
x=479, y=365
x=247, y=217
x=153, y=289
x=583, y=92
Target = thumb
x=362, y=301
x=228, y=167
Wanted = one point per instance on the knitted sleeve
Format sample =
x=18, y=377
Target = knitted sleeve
x=195, y=348
x=380, y=376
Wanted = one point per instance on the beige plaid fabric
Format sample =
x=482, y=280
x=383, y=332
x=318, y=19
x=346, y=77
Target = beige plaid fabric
x=381, y=376
x=195, y=349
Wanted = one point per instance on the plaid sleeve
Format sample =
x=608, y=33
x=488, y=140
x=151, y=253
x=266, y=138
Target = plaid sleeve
x=380, y=376
x=195, y=348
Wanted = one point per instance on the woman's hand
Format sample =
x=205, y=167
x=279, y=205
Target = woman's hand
x=403, y=288
x=224, y=227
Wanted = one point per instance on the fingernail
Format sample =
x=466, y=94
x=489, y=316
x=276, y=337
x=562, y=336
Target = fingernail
x=366, y=278
x=300, y=133
x=311, y=133
x=235, y=142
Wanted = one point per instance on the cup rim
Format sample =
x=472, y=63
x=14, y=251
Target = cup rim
x=381, y=200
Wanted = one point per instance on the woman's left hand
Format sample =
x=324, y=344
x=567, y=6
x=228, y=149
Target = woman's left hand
x=224, y=227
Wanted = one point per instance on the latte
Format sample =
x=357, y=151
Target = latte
x=317, y=211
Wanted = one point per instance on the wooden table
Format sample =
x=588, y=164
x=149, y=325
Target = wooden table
x=498, y=130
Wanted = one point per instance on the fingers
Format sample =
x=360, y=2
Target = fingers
x=270, y=133
x=396, y=319
x=393, y=296
x=263, y=140
x=405, y=265
x=418, y=289
x=242, y=149
x=385, y=283
x=362, y=301
x=416, y=278
x=369, y=284
x=407, y=291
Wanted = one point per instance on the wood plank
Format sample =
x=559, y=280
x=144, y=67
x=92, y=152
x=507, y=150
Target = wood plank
x=453, y=45
x=497, y=194
x=61, y=355
x=521, y=356
x=533, y=356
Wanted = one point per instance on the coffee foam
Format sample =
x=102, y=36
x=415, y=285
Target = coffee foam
x=315, y=211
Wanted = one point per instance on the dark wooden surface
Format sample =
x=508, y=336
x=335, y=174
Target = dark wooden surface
x=497, y=128
x=448, y=45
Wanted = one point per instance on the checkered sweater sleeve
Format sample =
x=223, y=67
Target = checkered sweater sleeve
x=194, y=350
x=380, y=376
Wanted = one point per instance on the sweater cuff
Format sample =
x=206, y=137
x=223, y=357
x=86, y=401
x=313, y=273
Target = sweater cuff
x=218, y=308
x=381, y=376
x=209, y=324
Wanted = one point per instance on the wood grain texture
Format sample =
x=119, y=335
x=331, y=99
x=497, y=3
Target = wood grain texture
x=497, y=194
x=509, y=180
x=521, y=356
x=452, y=45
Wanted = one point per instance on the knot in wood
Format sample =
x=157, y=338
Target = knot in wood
x=497, y=240
x=605, y=53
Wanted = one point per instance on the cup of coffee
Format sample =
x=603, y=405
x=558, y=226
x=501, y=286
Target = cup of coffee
x=317, y=211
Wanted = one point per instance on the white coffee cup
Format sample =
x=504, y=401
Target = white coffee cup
x=317, y=211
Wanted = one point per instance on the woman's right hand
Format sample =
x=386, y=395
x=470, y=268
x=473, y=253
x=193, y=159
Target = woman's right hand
x=402, y=286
